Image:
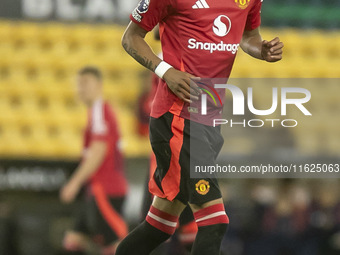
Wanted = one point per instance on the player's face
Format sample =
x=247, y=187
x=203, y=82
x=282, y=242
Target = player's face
x=88, y=88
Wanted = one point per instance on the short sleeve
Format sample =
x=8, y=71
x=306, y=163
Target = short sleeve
x=99, y=127
x=254, y=16
x=149, y=13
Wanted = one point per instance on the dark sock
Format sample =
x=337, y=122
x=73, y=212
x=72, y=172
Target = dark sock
x=208, y=239
x=142, y=240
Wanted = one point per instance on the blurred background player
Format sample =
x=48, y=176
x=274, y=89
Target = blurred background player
x=99, y=225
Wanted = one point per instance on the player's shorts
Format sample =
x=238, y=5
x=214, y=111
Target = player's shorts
x=171, y=137
x=185, y=217
x=93, y=222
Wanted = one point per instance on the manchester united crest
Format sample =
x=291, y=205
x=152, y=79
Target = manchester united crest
x=202, y=187
x=242, y=3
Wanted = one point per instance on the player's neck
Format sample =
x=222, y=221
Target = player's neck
x=94, y=100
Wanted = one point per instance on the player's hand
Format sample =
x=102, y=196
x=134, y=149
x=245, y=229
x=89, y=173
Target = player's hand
x=69, y=192
x=182, y=85
x=272, y=51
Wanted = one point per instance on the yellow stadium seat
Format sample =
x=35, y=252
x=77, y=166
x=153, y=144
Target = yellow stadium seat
x=67, y=143
x=7, y=31
x=55, y=33
x=292, y=41
x=80, y=34
x=135, y=146
x=13, y=142
x=110, y=35
x=6, y=110
x=7, y=51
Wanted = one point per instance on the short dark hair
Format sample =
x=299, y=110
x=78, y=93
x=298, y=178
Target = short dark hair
x=91, y=70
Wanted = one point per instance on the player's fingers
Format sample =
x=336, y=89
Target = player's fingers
x=189, y=94
x=277, y=52
x=185, y=93
x=195, y=93
x=275, y=41
x=180, y=90
x=276, y=47
x=195, y=90
x=182, y=97
x=185, y=85
x=265, y=43
x=275, y=58
x=188, y=86
x=193, y=85
x=195, y=78
x=63, y=198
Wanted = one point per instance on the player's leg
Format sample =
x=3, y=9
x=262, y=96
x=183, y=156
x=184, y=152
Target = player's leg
x=205, y=198
x=114, y=235
x=159, y=225
x=147, y=196
x=166, y=136
x=75, y=239
x=212, y=222
x=108, y=225
x=187, y=229
x=74, y=243
x=78, y=240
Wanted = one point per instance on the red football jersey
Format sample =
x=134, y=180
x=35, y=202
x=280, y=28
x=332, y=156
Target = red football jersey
x=102, y=125
x=200, y=37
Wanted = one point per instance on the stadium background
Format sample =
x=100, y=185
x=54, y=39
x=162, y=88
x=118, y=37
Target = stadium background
x=42, y=45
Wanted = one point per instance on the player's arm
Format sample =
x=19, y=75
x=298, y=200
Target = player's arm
x=252, y=44
x=94, y=158
x=135, y=45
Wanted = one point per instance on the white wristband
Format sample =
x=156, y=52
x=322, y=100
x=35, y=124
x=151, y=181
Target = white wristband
x=162, y=68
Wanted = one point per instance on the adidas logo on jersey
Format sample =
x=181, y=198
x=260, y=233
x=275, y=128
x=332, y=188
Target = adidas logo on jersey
x=200, y=4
